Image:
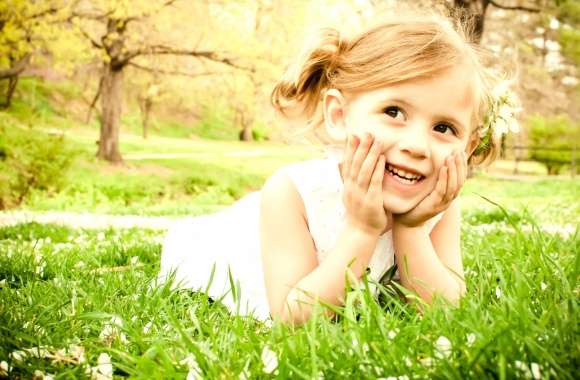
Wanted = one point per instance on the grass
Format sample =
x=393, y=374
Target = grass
x=69, y=296
x=94, y=289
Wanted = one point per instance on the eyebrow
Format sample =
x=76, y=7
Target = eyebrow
x=450, y=119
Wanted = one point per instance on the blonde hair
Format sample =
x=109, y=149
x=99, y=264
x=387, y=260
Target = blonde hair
x=398, y=49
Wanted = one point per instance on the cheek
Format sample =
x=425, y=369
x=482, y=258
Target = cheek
x=439, y=159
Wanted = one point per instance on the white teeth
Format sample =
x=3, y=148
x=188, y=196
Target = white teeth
x=411, y=177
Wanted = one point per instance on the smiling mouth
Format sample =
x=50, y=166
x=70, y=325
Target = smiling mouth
x=403, y=176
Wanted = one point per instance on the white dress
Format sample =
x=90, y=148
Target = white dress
x=214, y=246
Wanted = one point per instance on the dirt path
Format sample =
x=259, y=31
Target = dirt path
x=100, y=221
x=86, y=220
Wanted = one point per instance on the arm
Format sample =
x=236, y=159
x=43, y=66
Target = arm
x=431, y=264
x=293, y=277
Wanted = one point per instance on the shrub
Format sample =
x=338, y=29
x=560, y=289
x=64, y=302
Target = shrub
x=551, y=141
x=30, y=159
x=216, y=124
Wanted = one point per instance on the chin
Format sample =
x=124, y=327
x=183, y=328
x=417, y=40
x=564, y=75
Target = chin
x=397, y=205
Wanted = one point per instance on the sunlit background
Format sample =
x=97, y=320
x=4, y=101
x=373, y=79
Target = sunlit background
x=165, y=88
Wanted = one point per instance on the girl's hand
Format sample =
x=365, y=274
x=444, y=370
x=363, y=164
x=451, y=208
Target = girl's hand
x=363, y=170
x=452, y=175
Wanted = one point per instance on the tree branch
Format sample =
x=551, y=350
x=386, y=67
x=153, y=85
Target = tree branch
x=514, y=8
x=44, y=12
x=145, y=15
x=15, y=69
x=94, y=102
x=93, y=42
x=168, y=50
x=174, y=72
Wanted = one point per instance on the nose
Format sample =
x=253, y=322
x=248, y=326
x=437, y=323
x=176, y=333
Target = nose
x=414, y=142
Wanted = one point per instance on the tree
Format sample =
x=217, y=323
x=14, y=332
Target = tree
x=474, y=12
x=114, y=34
x=552, y=141
x=25, y=27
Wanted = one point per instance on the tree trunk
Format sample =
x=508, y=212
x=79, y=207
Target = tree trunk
x=12, y=82
x=146, y=105
x=472, y=13
x=111, y=99
x=246, y=134
x=11, y=74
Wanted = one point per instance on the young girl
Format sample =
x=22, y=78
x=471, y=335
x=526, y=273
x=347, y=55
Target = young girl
x=410, y=105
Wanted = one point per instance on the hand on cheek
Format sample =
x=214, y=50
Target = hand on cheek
x=362, y=171
x=451, y=177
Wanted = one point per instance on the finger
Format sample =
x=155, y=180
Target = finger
x=359, y=156
x=376, y=185
x=436, y=196
x=441, y=185
x=451, y=178
x=351, y=145
x=368, y=167
x=461, y=171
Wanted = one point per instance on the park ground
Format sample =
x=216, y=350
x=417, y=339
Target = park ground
x=78, y=297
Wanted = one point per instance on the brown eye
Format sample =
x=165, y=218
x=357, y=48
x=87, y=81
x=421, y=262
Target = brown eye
x=394, y=112
x=445, y=129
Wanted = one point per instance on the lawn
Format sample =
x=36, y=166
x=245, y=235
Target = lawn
x=78, y=303
x=71, y=299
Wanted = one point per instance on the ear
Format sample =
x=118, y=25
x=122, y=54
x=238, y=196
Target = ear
x=334, y=107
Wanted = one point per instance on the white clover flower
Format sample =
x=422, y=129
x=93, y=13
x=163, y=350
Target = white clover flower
x=104, y=368
x=524, y=368
x=245, y=374
x=392, y=333
x=38, y=374
x=269, y=359
x=443, y=347
x=543, y=286
x=497, y=292
x=40, y=269
x=470, y=339
x=194, y=372
x=112, y=330
x=40, y=352
x=365, y=348
x=536, y=371
x=4, y=368
x=147, y=327
x=77, y=353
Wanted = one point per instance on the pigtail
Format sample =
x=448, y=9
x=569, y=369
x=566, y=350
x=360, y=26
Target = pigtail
x=303, y=83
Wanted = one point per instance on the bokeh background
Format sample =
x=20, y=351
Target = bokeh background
x=120, y=116
x=162, y=107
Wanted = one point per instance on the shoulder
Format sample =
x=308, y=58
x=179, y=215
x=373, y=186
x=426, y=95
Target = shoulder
x=280, y=191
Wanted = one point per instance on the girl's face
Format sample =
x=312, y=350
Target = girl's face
x=419, y=123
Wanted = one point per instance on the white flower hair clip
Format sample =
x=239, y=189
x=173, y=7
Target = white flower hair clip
x=501, y=116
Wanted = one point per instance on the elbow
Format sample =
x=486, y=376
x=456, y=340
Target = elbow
x=454, y=297
x=297, y=309
x=291, y=311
